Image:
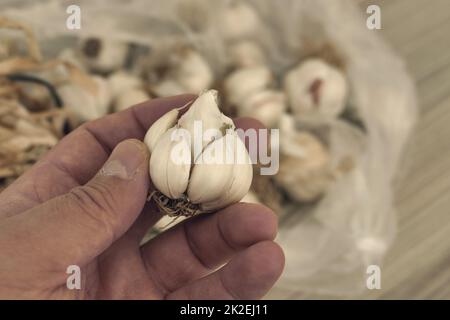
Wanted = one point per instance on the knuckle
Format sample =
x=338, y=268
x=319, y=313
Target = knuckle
x=96, y=202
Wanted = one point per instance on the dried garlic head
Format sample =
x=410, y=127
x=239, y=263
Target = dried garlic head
x=103, y=55
x=246, y=53
x=266, y=106
x=198, y=163
x=242, y=83
x=305, y=170
x=316, y=88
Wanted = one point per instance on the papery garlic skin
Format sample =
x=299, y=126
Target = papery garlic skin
x=242, y=83
x=316, y=88
x=170, y=172
x=266, y=106
x=159, y=127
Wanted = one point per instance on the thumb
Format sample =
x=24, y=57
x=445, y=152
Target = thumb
x=76, y=227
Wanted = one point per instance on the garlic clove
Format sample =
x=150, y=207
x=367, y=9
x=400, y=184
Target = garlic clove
x=160, y=127
x=243, y=82
x=130, y=98
x=316, y=88
x=169, y=170
x=212, y=175
x=266, y=106
x=205, y=111
x=241, y=179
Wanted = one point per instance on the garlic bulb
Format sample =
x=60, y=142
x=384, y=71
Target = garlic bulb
x=122, y=81
x=192, y=71
x=103, y=55
x=266, y=106
x=251, y=197
x=130, y=98
x=194, y=172
x=188, y=71
x=246, y=53
x=305, y=170
x=86, y=103
x=238, y=20
x=316, y=88
x=243, y=82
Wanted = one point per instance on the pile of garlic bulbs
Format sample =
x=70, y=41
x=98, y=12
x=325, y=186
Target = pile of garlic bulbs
x=105, y=75
x=193, y=173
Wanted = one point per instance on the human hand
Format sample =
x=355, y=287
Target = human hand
x=85, y=204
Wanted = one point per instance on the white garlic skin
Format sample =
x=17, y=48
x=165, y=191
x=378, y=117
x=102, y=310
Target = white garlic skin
x=330, y=94
x=266, y=106
x=238, y=20
x=246, y=53
x=192, y=71
x=102, y=54
x=240, y=84
x=168, y=176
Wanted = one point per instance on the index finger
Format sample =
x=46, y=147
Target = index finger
x=79, y=155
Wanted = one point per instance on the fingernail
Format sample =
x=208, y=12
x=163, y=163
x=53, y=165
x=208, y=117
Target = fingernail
x=125, y=160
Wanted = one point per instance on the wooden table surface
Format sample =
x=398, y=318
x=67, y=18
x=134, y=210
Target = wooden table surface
x=418, y=264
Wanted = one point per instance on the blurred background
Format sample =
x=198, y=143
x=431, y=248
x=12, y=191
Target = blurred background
x=374, y=186
x=418, y=264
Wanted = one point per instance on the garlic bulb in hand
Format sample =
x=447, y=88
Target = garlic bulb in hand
x=316, y=88
x=194, y=172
